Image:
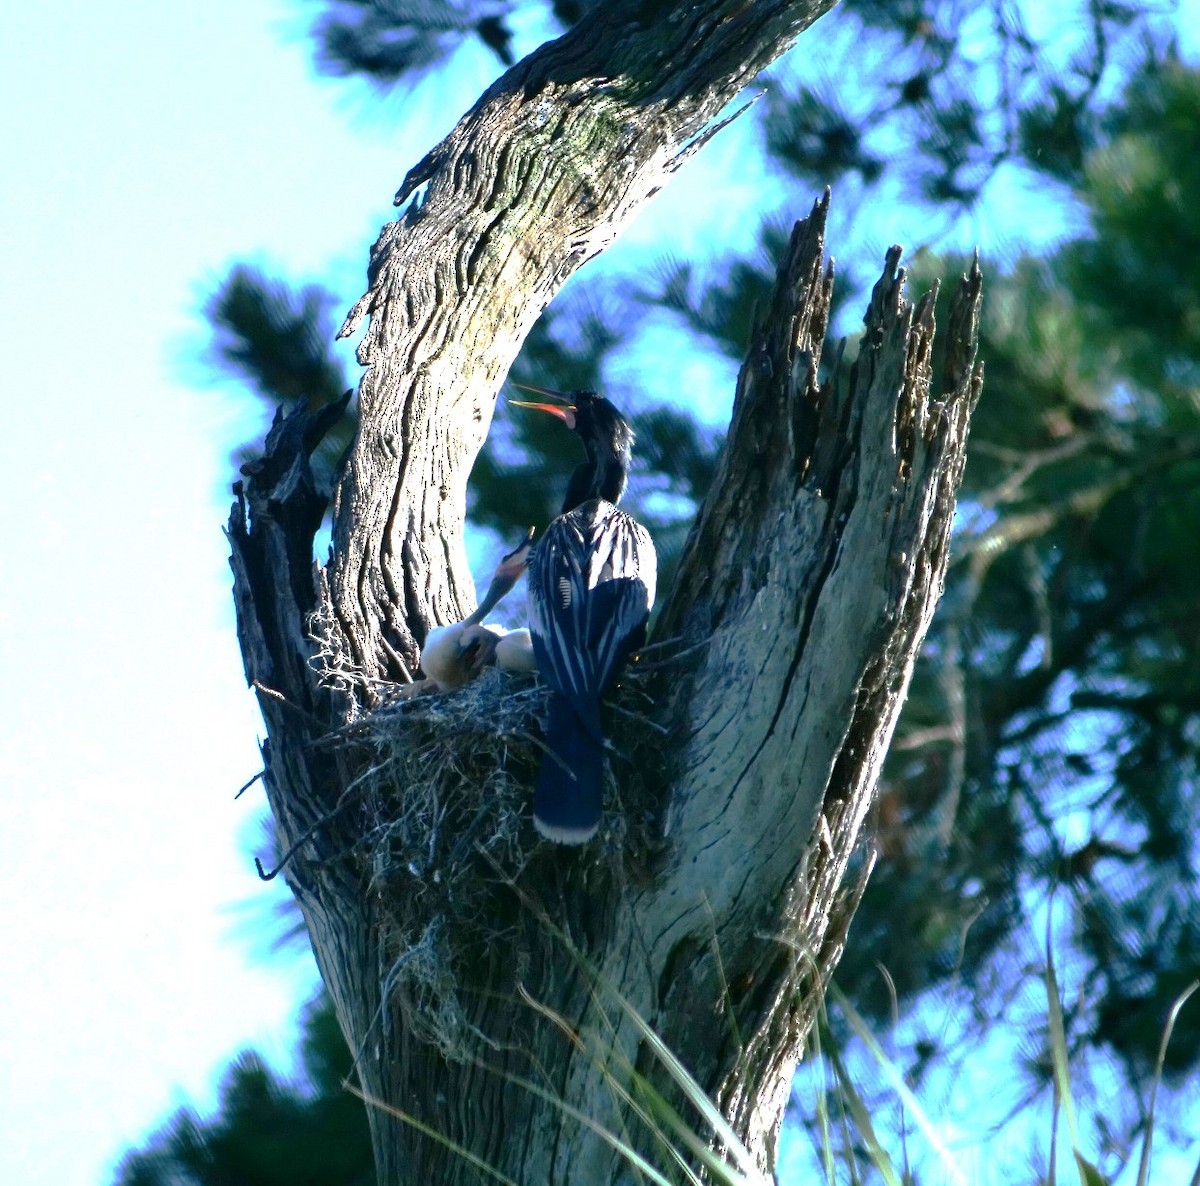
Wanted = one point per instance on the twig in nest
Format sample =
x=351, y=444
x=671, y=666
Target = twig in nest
x=638, y=667
x=247, y=785
x=641, y=719
x=549, y=752
x=279, y=697
x=265, y=875
x=658, y=646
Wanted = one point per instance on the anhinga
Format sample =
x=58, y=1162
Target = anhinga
x=591, y=586
x=455, y=655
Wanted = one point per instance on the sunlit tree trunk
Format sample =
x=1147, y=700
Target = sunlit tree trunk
x=476, y=970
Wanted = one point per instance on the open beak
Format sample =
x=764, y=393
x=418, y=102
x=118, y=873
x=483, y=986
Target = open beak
x=517, y=560
x=565, y=410
x=477, y=651
x=507, y=573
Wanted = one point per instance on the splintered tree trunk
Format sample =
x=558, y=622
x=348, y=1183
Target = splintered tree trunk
x=488, y=981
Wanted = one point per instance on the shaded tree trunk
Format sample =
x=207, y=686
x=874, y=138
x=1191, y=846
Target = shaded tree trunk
x=474, y=968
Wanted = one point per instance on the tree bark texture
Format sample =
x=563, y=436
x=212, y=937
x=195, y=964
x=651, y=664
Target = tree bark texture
x=476, y=969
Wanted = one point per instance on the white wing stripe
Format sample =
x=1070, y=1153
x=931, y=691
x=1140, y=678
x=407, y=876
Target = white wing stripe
x=579, y=554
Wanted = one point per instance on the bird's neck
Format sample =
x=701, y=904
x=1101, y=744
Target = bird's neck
x=499, y=587
x=602, y=475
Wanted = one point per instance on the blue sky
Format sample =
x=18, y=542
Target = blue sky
x=145, y=148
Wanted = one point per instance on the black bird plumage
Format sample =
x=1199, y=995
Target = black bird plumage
x=591, y=585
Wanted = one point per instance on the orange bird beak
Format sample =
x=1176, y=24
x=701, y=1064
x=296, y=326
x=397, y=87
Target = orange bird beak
x=565, y=410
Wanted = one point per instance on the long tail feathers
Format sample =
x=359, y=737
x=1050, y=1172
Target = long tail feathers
x=569, y=793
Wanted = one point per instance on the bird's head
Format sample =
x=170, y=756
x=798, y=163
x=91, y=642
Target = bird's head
x=606, y=434
x=513, y=564
x=587, y=413
x=476, y=648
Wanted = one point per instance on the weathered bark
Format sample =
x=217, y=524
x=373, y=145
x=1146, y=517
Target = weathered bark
x=744, y=765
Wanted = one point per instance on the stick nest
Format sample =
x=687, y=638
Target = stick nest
x=444, y=834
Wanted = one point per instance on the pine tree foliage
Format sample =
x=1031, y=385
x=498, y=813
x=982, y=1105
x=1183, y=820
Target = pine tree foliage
x=267, y=1131
x=393, y=40
x=1046, y=763
x=275, y=338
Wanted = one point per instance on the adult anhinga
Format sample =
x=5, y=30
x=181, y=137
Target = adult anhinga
x=591, y=586
x=454, y=655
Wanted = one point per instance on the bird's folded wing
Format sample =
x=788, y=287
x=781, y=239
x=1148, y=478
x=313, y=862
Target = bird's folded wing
x=592, y=583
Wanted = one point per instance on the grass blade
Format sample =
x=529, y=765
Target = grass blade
x=432, y=1134
x=1144, y=1163
x=861, y=1116
x=896, y=1080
